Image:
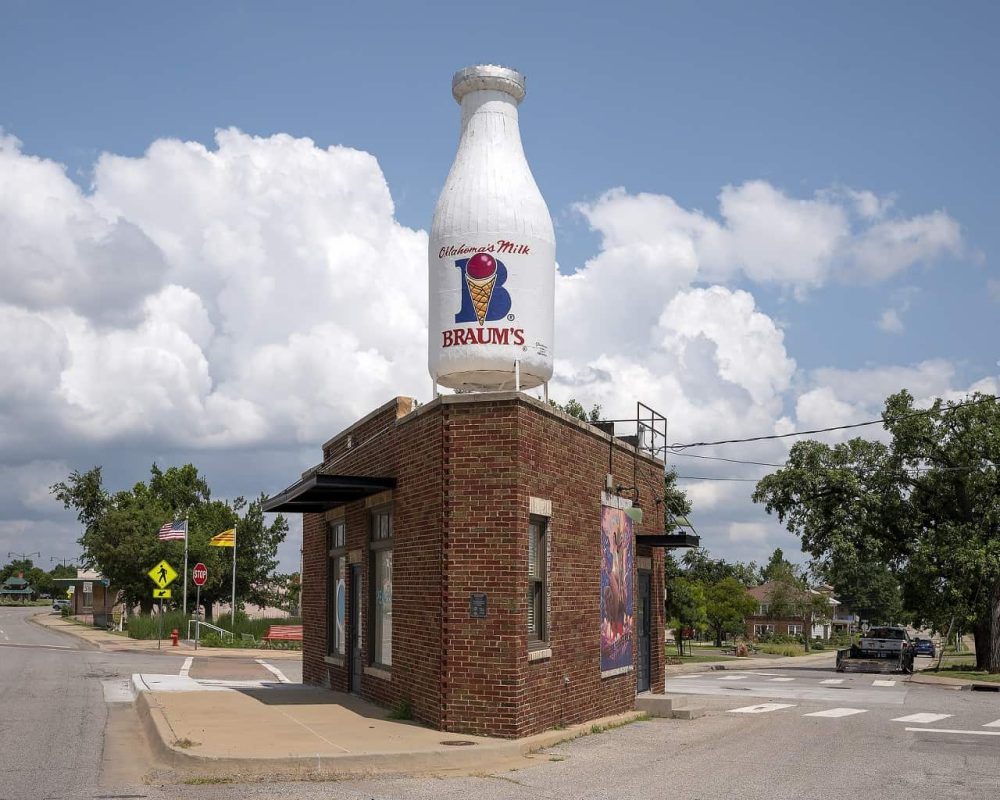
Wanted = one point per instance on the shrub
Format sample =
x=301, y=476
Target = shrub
x=402, y=709
x=146, y=626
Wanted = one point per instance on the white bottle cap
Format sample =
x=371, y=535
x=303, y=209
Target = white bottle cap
x=488, y=76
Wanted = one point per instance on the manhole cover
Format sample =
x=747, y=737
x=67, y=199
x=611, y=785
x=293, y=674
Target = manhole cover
x=457, y=742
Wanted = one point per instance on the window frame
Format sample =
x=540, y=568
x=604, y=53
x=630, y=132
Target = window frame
x=378, y=542
x=336, y=553
x=539, y=637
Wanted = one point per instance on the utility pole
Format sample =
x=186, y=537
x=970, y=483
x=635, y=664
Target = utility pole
x=64, y=561
x=24, y=556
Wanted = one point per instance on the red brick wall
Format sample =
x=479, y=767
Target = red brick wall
x=411, y=453
x=466, y=467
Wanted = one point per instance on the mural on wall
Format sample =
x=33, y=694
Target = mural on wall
x=617, y=621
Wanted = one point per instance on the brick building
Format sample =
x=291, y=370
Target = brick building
x=469, y=558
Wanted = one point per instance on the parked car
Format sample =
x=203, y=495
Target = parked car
x=924, y=647
x=59, y=604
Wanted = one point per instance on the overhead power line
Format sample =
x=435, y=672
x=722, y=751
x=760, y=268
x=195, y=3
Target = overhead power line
x=832, y=428
x=731, y=460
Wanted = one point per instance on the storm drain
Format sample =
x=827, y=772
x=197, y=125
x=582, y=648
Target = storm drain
x=985, y=687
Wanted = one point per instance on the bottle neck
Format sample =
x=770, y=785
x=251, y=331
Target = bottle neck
x=490, y=116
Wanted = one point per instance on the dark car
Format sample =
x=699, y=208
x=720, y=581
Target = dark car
x=924, y=647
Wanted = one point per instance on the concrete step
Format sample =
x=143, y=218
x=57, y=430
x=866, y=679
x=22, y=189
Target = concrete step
x=660, y=706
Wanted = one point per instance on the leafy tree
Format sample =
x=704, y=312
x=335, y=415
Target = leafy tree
x=120, y=533
x=778, y=568
x=925, y=507
x=575, y=409
x=698, y=564
x=685, y=606
x=727, y=605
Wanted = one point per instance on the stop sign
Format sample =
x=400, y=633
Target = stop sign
x=199, y=574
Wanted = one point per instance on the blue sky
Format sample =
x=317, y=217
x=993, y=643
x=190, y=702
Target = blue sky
x=673, y=100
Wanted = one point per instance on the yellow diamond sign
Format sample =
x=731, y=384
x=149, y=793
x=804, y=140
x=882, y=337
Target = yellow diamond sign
x=162, y=574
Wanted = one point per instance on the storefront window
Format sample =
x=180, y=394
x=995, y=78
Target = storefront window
x=336, y=599
x=381, y=593
x=536, y=580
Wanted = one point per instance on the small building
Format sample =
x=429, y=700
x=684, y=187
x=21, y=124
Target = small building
x=16, y=588
x=90, y=595
x=482, y=561
x=776, y=612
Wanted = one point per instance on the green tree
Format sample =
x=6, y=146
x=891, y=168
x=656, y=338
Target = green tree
x=727, y=605
x=778, y=568
x=685, y=606
x=120, y=533
x=575, y=409
x=925, y=507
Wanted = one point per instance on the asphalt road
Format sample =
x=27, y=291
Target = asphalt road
x=773, y=733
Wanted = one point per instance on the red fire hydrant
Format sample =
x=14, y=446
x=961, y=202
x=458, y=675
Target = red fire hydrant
x=173, y=638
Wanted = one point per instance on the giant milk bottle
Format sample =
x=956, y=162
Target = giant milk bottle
x=492, y=249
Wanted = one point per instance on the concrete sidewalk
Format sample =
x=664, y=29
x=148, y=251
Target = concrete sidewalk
x=286, y=732
x=119, y=642
x=725, y=663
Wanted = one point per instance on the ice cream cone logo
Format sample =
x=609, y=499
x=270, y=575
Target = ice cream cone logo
x=484, y=298
x=480, y=278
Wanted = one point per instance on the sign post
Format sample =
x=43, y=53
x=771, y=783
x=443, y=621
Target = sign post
x=162, y=575
x=199, y=575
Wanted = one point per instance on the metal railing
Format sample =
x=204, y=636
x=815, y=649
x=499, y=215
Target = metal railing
x=197, y=629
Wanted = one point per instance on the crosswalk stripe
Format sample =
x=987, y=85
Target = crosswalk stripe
x=780, y=680
x=994, y=724
x=833, y=680
x=733, y=678
x=948, y=730
x=883, y=683
x=837, y=712
x=923, y=719
x=761, y=708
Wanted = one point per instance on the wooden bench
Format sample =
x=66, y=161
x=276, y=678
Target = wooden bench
x=283, y=633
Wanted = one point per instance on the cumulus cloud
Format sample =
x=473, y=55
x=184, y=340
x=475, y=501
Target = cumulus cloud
x=248, y=299
x=195, y=295
x=838, y=235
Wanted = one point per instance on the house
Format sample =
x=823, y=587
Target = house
x=777, y=613
x=484, y=561
x=90, y=595
x=16, y=588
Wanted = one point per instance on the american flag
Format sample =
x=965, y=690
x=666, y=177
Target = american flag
x=174, y=530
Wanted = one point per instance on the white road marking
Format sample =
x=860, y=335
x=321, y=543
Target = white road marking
x=780, y=680
x=947, y=730
x=922, y=719
x=733, y=678
x=833, y=680
x=273, y=670
x=761, y=708
x=994, y=724
x=878, y=682
x=186, y=668
x=837, y=712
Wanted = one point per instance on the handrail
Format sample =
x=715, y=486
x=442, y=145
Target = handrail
x=197, y=631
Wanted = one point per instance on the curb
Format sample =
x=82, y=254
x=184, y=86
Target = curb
x=158, y=732
x=746, y=663
x=107, y=643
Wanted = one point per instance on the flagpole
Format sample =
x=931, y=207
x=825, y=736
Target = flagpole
x=233, y=612
x=185, y=567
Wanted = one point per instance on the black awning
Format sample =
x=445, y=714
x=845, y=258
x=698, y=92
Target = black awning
x=321, y=492
x=671, y=541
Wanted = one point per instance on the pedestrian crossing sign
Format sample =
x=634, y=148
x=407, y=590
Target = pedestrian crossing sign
x=161, y=594
x=163, y=574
